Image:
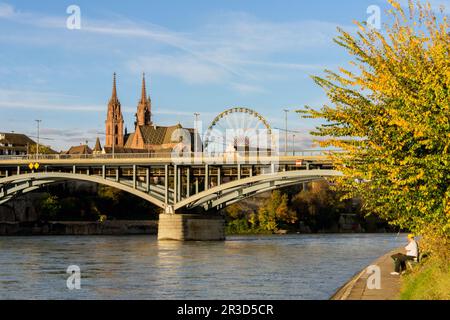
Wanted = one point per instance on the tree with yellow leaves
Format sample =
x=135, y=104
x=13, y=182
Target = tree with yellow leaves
x=390, y=114
x=275, y=212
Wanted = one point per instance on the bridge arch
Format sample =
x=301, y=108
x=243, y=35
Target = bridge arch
x=238, y=190
x=216, y=197
x=24, y=183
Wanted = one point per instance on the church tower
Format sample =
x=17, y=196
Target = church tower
x=143, y=115
x=114, y=120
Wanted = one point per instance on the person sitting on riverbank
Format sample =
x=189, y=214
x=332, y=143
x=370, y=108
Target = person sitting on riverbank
x=412, y=253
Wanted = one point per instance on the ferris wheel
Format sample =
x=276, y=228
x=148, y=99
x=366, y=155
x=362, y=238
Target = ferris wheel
x=238, y=129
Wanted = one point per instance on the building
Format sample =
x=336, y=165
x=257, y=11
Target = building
x=81, y=149
x=15, y=144
x=98, y=147
x=147, y=136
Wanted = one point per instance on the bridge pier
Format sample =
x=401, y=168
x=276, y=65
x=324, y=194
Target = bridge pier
x=191, y=227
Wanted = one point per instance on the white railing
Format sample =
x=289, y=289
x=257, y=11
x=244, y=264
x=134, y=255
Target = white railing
x=166, y=155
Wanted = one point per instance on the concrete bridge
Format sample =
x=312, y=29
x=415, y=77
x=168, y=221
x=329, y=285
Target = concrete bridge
x=188, y=188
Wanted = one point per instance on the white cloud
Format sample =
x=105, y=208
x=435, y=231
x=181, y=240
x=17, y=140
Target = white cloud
x=282, y=65
x=28, y=104
x=231, y=46
x=186, y=68
x=60, y=132
x=6, y=10
x=9, y=12
x=176, y=112
x=62, y=139
x=20, y=99
x=33, y=100
x=246, y=33
x=247, y=88
x=237, y=47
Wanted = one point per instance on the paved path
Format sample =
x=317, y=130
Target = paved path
x=356, y=288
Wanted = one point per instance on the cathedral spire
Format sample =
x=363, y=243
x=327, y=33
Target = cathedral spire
x=144, y=91
x=114, y=120
x=143, y=114
x=114, y=90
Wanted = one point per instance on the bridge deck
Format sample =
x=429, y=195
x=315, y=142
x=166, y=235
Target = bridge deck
x=103, y=160
x=172, y=183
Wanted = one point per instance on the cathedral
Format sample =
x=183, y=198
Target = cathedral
x=147, y=136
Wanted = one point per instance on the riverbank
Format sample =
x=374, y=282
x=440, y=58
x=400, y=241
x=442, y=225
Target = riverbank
x=430, y=280
x=356, y=288
x=120, y=227
x=112, y=227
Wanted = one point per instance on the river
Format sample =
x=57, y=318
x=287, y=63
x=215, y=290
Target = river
x=139, y=267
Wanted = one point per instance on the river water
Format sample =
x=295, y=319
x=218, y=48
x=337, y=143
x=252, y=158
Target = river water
x=140, y=267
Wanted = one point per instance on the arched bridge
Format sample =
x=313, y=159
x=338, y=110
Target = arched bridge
x=171, y=183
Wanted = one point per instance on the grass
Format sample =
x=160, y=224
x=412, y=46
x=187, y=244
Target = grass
x=428, y=281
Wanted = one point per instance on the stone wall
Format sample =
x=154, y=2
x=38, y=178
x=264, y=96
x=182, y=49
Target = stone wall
x=115, y=227
x=21, y=209
x=191, y=227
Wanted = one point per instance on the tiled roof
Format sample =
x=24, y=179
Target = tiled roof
x=128, y=140
x=82, y=149
x=98, y=146
x=124, y=150
x=16, y=139
x=153, y=136
x=157, y=135
x=118, y=150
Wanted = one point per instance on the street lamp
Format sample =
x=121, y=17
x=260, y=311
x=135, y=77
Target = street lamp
x=285, y=130
x=37, y=144
x=293, y=144
x=196, y=114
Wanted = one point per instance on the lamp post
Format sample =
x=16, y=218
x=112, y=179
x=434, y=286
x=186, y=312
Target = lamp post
x=196, y=114
x=37, y=144
x=293, y=144
x=285, y=130
x=86, y=149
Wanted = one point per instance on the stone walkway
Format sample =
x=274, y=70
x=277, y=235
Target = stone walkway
x=356, y=288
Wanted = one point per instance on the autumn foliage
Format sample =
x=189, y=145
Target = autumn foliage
x=390, y=114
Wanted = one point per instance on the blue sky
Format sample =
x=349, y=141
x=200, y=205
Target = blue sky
x=199, y=56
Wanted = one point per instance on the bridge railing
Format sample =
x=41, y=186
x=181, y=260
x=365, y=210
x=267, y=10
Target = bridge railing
x=165, y=155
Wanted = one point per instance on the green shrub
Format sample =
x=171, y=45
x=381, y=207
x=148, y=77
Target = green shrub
x=51, y=207
x=238, y=226
x=429, y=281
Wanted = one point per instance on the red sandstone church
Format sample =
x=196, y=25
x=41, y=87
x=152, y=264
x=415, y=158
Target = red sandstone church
x=147, y=136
